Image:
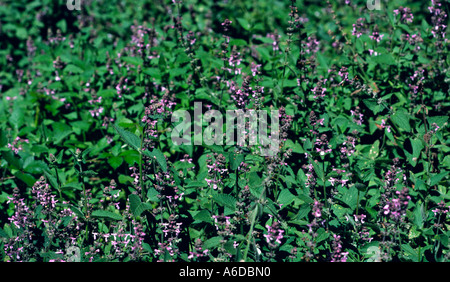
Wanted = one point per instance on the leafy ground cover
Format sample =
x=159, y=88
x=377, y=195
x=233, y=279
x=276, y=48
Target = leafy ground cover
x=89, y=171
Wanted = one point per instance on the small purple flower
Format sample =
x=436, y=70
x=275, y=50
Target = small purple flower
x=405, y=14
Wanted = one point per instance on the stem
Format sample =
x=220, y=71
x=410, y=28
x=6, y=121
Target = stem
x=255, y=212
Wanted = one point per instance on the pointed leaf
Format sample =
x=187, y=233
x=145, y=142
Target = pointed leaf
x=106, y=214
x=136, y=206
x=130, y=138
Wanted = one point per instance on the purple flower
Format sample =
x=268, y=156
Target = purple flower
x=405, y=14
x=337, y=254
x=359, y=27
x=16, y=145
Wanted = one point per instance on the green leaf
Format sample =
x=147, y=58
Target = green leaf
x=417, y=147
x=130, y=138
x=401, y=119
x=51, y=178
x=235, y=160
x=106, y=214
x=383, y=59
x=60, y=131
x=133, y=61
x=153, y=72
x=225, y=200
x=244, y=23
x=159, y=156
x=285, y=197
x=136, y=206
x=436, y=178
x=115, y=162
x=3, y=233
x=73, y=69
x=78, y=212
x=419, y=214
x=212, y=242
x=374, y=150
x=318, y=169
x=203, y=216
x=351, y=197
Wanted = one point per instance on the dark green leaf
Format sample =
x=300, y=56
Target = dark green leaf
x=106, y=214
x=136, y=206
x=130, y=138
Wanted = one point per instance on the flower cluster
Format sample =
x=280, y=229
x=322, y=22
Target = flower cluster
x=376, y=36
x=273, y=237
x=217, y=170
x=42, y=194
x=405, y=14
x=438, y=18
x=396, y=208
x=198, y=251
x=359, y=28
x=337, y=254
x=21, y=246
x=16, y=145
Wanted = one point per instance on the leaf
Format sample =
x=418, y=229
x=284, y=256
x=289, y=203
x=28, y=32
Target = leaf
x=106, y=214
x=159, y=156
x=436, y=178
x=77, y=212
x=212, y=242
x=374, y=150
x=115, y=162
x=136, y=206
x=73, y=69
x=383, y=59
x=153, y=72
x=225, y=200
x=417, y=147
x=419, y=215
x=60, y=131
x=235, y=160
x=318, y=169
x=401, y=119
x=133, y=61
x=244, y=23
x=351, y=197
x=130, y=138
x=51, y=178
x=203, y=216
x=285, y=197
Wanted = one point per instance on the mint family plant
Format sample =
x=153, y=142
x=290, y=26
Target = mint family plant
x=90, y=172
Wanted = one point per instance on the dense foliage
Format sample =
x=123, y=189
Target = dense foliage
x=89, y=172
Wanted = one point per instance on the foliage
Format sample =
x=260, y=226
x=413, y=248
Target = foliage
x=89, y=171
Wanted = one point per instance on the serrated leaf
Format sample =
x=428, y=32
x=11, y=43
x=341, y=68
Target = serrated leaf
x=203, y=215
x=51, y=178
x=212, y=242
x=159, y=156
x=136, y=206
x=77, y=211
x=130, y=138
x=318, y=169
x=436, y=178
x=401, y=119
x=285, y=197
x=106, y=214
x=225, y=200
